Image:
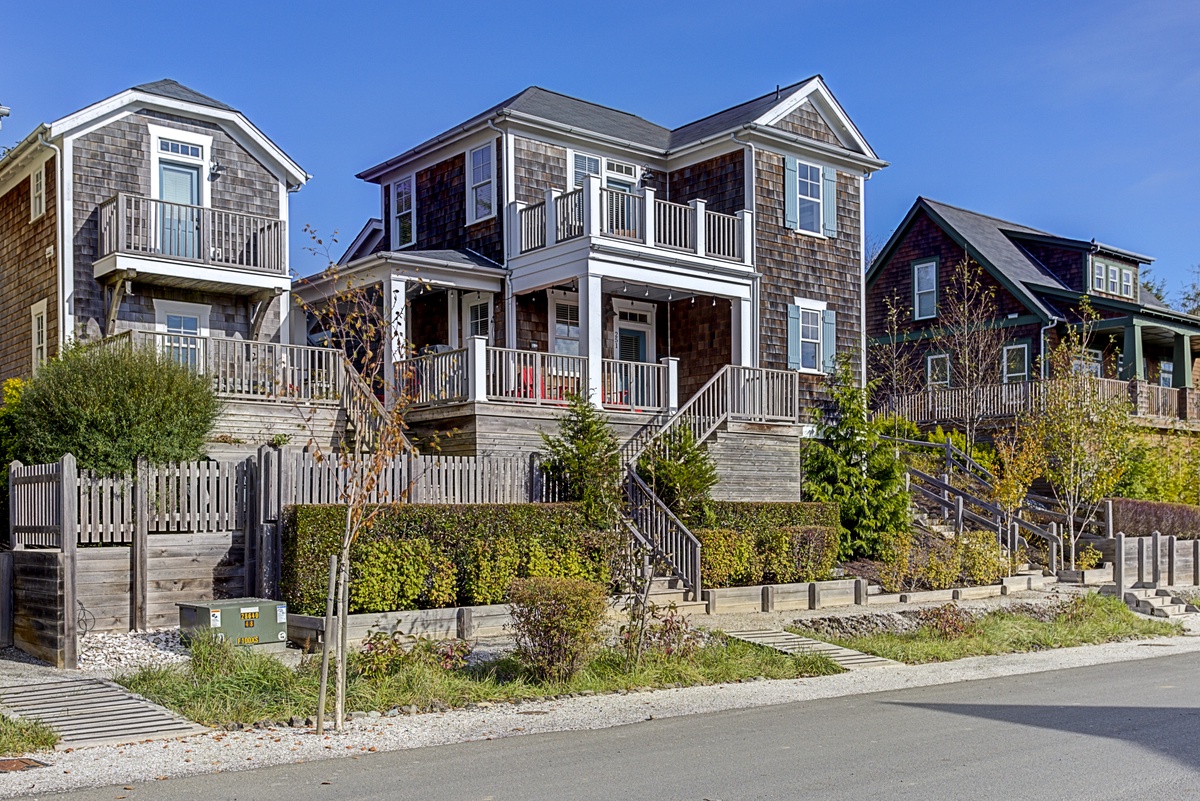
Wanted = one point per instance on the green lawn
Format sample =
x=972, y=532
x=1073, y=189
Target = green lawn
x=223, y=684
x=24, y=736
x=1087, y=620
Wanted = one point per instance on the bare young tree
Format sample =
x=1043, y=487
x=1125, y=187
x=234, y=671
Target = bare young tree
x=968, y=332
x=893, y=365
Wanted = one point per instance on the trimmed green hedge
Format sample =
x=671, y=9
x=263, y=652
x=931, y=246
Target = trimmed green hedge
x=759, y=517
x=775, y=543
x=426, y=556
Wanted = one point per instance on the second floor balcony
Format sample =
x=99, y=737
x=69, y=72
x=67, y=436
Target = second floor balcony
x=639, y=219
x=208, y=247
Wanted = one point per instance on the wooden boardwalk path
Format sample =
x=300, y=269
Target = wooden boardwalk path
x=790, y=643
x=93, y=712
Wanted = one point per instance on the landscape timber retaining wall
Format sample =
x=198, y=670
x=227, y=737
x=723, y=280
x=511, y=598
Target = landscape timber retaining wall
x=786, y=597
x=464, y=622
x=40, y=594
x=1142, y=554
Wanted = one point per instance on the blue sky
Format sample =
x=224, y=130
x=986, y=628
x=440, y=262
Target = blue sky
x=1077, y=117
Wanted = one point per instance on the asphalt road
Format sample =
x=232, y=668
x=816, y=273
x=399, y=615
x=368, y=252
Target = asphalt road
x=1129, y=730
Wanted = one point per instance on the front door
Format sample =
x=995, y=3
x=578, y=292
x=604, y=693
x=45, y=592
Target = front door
x=179, y=217
x=633, y=389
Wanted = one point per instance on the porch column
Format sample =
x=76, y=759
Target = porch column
x=743, y=336
x=452, y=325
x=591, y=334
x=477, y=369
x=1133, y=365
x=395, y=313
x=672, y=388
x=1182, y=376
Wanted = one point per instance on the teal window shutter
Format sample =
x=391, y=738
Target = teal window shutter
x=791, y=211
x=829, y=200
x=793, y=337
x=829, y=339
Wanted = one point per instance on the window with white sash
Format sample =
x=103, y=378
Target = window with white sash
x=37, y=193
x=925, y=290
x=481, y=193
x=937, y=371
x=1016, y=363
x=404, y=226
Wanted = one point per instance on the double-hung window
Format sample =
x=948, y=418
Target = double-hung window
x=37, y=323
x=925, y=290
x=584, y=166
x=564, y=309
x=1166, y=373
x=477, y=314
x=808, y=187
x=1098, y=269
x=937, y=371
x=1091, y=364
x=37, y=193
x=812, y=336
x=1127, y=283
x=404, y=230
x=1114, y=280
x=481, y=195
x=1016, y=363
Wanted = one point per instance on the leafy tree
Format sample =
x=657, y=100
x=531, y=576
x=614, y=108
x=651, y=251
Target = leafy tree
x=1085, y=436
x=585, y=459
x=110, y=405
x=852, y=466
x=1020, y=461
x=681, y=472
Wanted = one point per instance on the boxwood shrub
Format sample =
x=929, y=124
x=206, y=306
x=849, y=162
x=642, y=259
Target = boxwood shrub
x=428, y=556
x=775, y=543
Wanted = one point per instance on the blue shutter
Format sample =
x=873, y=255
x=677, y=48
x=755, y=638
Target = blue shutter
x=793, y=337
x=829, y=200
x=829, y=340
x=791, y=212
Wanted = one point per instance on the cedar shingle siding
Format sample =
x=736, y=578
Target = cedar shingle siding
x=116, y=158
x=721, y=181
x=805, y=121
x=27, y=275
x=538, y=166
x=442, y=209
x=798, y=265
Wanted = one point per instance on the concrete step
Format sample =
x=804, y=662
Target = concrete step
x=1166, y=610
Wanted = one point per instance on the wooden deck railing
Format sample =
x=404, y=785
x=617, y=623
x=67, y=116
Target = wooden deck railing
x=636, y=216
x=435, y=378
x=668, y=538
x=142, y=226
x=636, y=386
x=534, y=377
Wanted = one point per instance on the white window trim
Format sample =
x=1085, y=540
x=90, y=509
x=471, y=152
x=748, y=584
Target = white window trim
x=412, y=179
x=471, y=187
x=1127, y=272
x=1166, y=368
x=1024, y=348
x=820, y=199
x=1099, y=275
x=929, y=358
x=916, y=305
x=651, y=327
x=37, y=200
x=818, y=306
x=35, y=311
x=201, y=311
x=470, y=299
x=554, y=296
x=158, y=133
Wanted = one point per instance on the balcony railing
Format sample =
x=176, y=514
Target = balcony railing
x=534, y=377
x=1001, y=401
x=141, y=226
x=434, y=378
x=636, y=386
x=594, y=210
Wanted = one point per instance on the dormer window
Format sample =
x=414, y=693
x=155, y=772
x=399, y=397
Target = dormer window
x=1127, y=283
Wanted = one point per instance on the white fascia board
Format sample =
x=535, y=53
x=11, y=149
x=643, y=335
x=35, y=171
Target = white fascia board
x=781, y=142
x=703, y=151
x=25, y=157
x=379, y=266
x=234, y=123
x=232, y=277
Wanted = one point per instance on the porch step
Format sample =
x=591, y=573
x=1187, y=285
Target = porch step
x=1153, y=601
x=794, y=644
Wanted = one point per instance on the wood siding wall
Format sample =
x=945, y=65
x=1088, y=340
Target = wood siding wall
x=442, y=210
x=1066, y=264
x=805, y=121
x=38, y=593
x=27, y=274
x=702, y=338
x=116, y=158
x=797, y=265
x=721, y=181
x=538, y=166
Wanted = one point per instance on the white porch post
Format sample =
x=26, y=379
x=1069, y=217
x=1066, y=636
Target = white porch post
x=746, y=227
x=743, y=337
x=551, y=216
x=591, y=206
x=512, y=229
x=452, y=324
x=699, y=229
x=395, y=310
x=477, y=369
x=591, y=333
x=672, y=388
x=648, y=221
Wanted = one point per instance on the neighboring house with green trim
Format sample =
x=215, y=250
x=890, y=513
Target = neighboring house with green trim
x=1039, y=280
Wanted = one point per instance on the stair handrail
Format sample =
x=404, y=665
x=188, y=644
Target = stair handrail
x=364, y=410
x=670, y=541
x=955, y=457
x=987, y=506
x=715, y=391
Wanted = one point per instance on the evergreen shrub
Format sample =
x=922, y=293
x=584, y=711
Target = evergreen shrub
x=417, y=556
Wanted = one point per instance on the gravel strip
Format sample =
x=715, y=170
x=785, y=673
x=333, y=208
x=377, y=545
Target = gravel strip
x=225, y=751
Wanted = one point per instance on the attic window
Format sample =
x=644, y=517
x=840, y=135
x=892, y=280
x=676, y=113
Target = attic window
x=180, y=148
